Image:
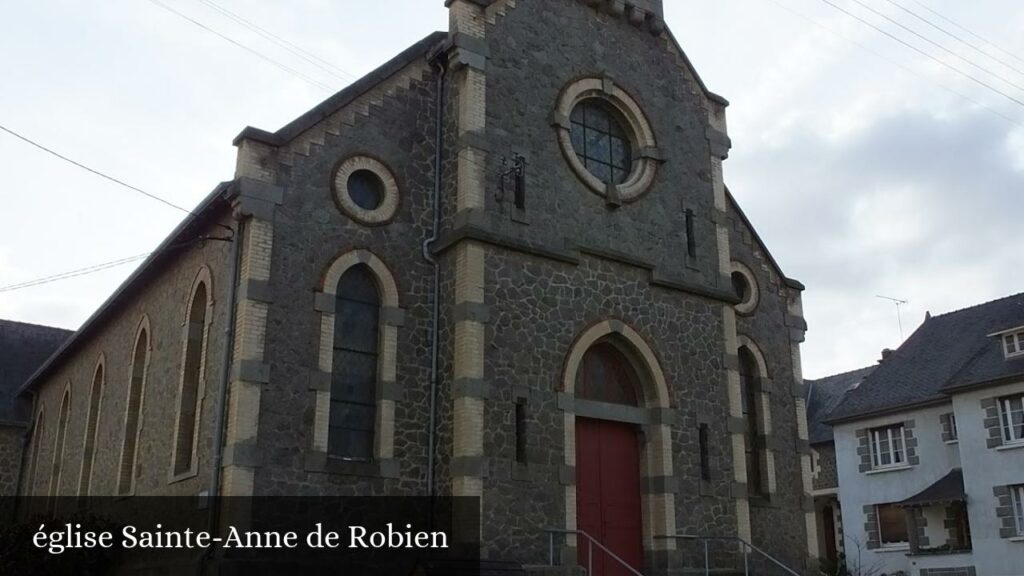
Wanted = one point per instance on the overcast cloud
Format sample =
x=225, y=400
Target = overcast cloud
x=860, y=162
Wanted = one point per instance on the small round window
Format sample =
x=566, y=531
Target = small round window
x=365, y=190
x=745, y=288
x=601, y=141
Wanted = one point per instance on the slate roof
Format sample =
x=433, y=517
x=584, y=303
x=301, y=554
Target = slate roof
x=947, y=353
x=23, y=348
x=824, y=395
x=949, y=488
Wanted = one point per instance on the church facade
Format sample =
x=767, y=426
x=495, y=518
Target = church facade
x=504, y=265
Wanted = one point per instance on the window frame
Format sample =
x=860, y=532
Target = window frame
x=1006, y=411
x=881, y=538
x=954, y=432
x=874, y=442
x=1017, y=340
x=1017, y=507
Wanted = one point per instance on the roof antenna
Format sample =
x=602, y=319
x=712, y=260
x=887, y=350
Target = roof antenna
x=899, y=315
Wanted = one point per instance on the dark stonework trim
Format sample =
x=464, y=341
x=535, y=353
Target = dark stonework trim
x=660, y=485
x=616, y=256
x=731, y=361
x=991, y=423
x=257, y=190
x=958, y=571
x=520, y=472
x=474, y=466
x=475, y=140
x=807, y=503
x=251, y=371
x=245, y=453
x=719, y=142
x=319, y=381
x=652, y=153
x=871, y=527
x=460, y=57
x=256, y=290
x=471, y=388
x=392, y=316
x=794, y=321
x=476, y=45
x=802, y=446
x=567, y=475
x=766, y=385
x=323, y=302
x=738, y=490
x=737, y=425
x=603, y=410
x=472, y=312
x=252, y=207
x=321, y=462
x=389, y=391
x=663, y=416
x=796, y=390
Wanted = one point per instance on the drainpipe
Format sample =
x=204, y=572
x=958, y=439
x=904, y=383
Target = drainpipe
x=427, y=244
x=220, y=413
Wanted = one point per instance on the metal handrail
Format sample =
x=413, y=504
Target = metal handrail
x=746, y=547
x=591, y=542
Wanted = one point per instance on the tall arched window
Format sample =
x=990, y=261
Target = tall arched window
x=133, y=413
x=750, y=391
x=191, y=381
x=91, y=427
x=354, y=378
x=608, y=376
x=59, y=441
x=37, y=440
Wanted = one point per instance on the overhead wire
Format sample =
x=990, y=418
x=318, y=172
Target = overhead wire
x=880, y=30
x=248, y=49
x=979, y=37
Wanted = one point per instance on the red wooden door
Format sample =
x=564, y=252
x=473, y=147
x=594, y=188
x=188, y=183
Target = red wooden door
x=608, y=494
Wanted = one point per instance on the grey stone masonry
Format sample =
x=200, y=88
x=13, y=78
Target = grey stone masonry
x=961, y=571
x=864, y=450
x=948, y=423
x=991, y=422
x=917, y=529
x=1004, y=511
x=871, y=527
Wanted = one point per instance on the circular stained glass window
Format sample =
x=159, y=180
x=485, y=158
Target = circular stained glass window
x=600, y=140
x=366, y=189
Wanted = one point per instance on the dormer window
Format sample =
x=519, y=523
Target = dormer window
x=1013, y=344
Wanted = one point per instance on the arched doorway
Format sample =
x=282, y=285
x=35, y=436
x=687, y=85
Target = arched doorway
x=608, y=484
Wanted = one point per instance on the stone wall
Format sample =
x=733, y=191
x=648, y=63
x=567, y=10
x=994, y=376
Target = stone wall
x=825, y=473
x=10, y=458
x=164, y=301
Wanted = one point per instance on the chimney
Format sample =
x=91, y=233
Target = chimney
x=885, y=355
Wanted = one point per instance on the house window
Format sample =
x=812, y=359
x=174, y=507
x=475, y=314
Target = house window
x=1014, y=344
x=892, y=526
x=354, y=381
x=749, y=392
x=888, y=447
x=1011, y=416
x=190, y=400
x=1017, y=500
x=600, y=141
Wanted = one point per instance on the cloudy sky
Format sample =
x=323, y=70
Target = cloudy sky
x=868, y=168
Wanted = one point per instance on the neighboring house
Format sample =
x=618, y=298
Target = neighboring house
x=23, y=348
x=542, y=184
x=823, y=396
x=930, y=449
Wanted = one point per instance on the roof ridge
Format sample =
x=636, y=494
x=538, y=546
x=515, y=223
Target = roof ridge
x=47, y=326
x=972, y=307
x=838, y=374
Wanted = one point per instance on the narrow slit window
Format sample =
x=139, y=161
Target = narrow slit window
x=691, y=239
x=705, y=457
x=37, y=440
x=91, y=428
x=749, y=391
x=191, y=382
x=133, y=415
x=521, y=430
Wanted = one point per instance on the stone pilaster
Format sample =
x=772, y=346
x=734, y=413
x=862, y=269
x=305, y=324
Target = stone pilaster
x=797, y=328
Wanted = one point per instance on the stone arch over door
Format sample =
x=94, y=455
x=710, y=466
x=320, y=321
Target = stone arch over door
x=653, y=415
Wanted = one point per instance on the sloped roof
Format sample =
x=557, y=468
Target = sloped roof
x=946, y=353
x=735, y=206
x=23, y=348
x=949, y=488
x=824, y=395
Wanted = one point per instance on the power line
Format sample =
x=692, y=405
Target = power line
x=895, y=63
x=936, y=44
x=248, y=49
x=74, y=273
x=306, y=55
x=954, y=36
x=925, y=54
x=93, y=171
x=983, y=39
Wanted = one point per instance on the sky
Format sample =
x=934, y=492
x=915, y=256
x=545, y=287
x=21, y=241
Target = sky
x=867, y=168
